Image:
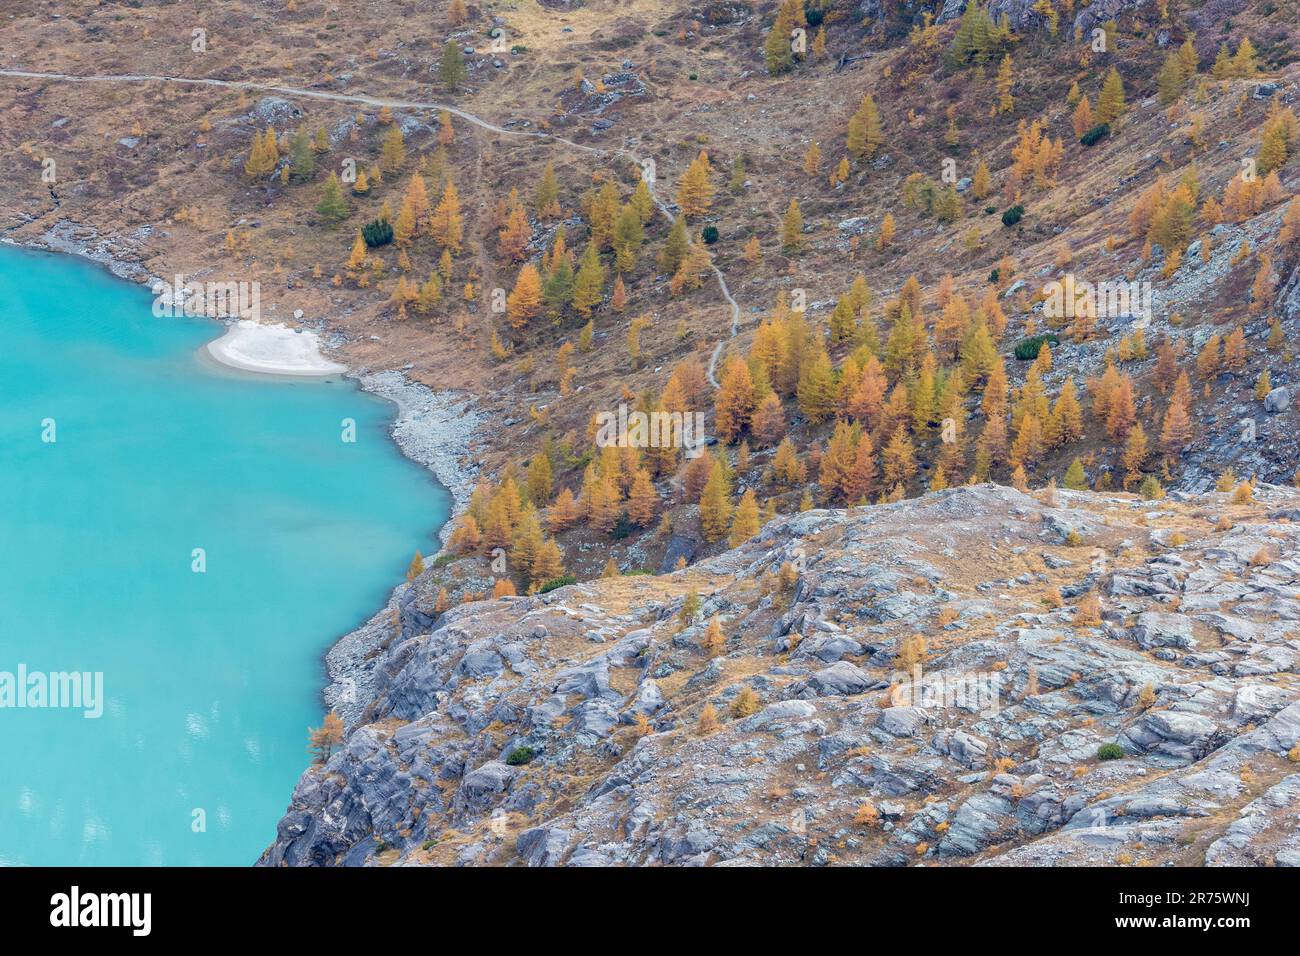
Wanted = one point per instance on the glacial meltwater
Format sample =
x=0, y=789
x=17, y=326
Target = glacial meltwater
x=196, y=536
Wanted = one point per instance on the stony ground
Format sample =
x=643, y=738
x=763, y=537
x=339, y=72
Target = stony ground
x=506, y=732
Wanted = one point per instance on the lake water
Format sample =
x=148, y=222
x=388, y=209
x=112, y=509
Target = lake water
x=210, y=680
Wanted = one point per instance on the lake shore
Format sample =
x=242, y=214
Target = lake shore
x=440, y=431
x=273, y=349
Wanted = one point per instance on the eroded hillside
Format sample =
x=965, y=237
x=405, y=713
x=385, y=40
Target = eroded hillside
x=930, y=681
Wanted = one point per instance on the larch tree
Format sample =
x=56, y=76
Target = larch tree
x=589, y=284
x=642, y=500
x=540, y=479
x=323, y=739
x=563, y=512
x=887, y=230
x=547, y=201
x=1135, y=452
x=792, y=227
x=512, y=240
x=734, y=403
x=715, y=506
x=447, y=226
x=392, y=153
x=819, y=45
x=525, y=300
x=548, y=562
x=302, y=159
x=1244, y=65
x=675, y=247
x=357, y=259
x=263, y=156
x=859, y=480
x=446, y=133
x=1075, y=479
x=526, y=541
x=618, y=298
x=864, y=134
x=1177, y=428
x=629, y=234
x=778, y=52
x=1005, y=80
x=1110, y=102
x=745, y=522
x=899, y=459
x=816, y=386
x=416, y=198
x=1081, y=120
x=768, y=422
x=694, y=190
x=812, y=160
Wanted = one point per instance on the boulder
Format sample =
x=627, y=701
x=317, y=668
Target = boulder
x=841, y=679
x=902, y=721
x=1158, y=629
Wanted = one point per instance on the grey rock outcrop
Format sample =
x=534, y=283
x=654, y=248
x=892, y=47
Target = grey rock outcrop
x=505, y=733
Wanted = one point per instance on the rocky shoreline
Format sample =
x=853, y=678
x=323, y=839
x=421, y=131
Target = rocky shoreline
x=436, y=430
x=1095, y=679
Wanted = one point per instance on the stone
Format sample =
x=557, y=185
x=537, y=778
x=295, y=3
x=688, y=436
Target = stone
x=1158, y=629
x=902, y=721
x=840, y=679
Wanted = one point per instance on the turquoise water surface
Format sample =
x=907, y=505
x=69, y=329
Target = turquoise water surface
x=211, y=679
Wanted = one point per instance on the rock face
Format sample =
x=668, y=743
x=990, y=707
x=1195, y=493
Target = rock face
x=1023, y=17
x=1277, y=400
x=564, y=729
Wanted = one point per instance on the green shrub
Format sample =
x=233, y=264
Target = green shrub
x=377, y=232
x=1100, y=131
x=520, y=755
x=559, y=582
x=1110, y=752
x=1028, y=349
x=1013, y=215
x=1150, y=488
x=709, y=235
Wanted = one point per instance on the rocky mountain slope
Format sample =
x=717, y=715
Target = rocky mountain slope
x=570, y=728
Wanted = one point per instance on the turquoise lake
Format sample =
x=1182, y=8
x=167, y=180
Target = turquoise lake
x=210, y=679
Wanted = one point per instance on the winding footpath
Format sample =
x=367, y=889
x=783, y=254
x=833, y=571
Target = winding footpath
x=377, y=101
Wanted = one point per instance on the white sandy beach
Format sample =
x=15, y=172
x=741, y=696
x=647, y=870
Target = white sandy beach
x=272, y=350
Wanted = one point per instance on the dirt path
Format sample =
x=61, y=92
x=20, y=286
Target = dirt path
x=378, y=101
